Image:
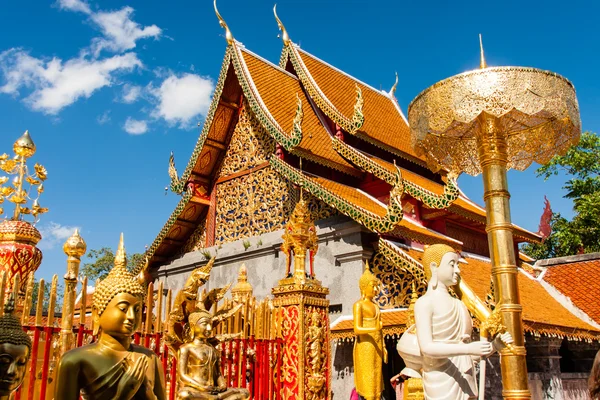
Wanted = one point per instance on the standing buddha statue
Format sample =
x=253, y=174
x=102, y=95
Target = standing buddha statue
x=113, y=367
x=444, y=328
x=15, y=351
x=369, y=349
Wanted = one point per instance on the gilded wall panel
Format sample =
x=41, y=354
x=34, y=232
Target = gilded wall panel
x=250, y=145
x=251, y=205
x=198, y=239
x=396, y=282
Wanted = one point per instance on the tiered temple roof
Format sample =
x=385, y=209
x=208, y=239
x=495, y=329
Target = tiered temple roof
x=358, y=158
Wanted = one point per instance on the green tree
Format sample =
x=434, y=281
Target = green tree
x=102, y=262
x=582, y=233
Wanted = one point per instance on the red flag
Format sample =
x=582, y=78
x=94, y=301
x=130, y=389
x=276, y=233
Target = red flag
x=545, y=229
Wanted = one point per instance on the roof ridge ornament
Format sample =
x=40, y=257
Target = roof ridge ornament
x=392, y=91
x=482, y=63
x=228, y=35
x=284, y=35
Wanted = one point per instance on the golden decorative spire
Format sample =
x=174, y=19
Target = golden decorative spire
x=120, y=256
x=482, y=63
x=17, y=194
x=393, y=89
x=284, y=35
x=242, y=289
x=228, y=35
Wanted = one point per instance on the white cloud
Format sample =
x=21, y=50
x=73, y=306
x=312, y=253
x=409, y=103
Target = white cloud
x=55, y=234
x=135, y=127
x=120, y=31
x=56, y=84
x=182, y=99
x=74, y=5
x=103, y=118
x=131, y=93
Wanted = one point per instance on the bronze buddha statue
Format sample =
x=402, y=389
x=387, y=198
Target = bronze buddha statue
x=113, y=367
x=15, y=351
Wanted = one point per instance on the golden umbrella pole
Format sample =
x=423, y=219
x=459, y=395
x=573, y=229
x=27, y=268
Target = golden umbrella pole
x=487, y=121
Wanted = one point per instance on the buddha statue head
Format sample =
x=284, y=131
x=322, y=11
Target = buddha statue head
x=440, y=263
x=15, y=351
x=201, y=324
x=368, y=284
x=118, y=299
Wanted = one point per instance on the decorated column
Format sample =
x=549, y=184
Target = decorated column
x=301, y=299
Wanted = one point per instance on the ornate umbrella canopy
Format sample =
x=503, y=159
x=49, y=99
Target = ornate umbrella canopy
x=536, y=113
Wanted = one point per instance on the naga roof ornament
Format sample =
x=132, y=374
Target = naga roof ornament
x=392, y=91
x=284, y=35
x=228, y=34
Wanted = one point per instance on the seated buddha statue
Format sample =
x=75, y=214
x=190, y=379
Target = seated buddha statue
x=113, y=367
x=15, y=351
x=444, y=327
x=198, y=370
x=369, y=350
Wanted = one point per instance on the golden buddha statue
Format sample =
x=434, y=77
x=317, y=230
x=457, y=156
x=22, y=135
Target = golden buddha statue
x=113, y=367
x=199, y=371
x=15, y=351
x=369, y=349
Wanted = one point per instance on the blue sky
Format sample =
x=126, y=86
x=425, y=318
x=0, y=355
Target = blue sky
x=108, y=89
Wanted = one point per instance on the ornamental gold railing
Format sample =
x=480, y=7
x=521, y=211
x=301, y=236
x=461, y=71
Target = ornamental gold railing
x=251, y=348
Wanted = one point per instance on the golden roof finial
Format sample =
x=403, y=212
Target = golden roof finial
x=284, y=35
x=228, y=35
x=24, y=146
x=393, y=89
x=482, y=63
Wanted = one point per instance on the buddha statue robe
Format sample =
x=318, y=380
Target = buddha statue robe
x=203, y=367
x=99, y=380
x=368, y=356
x=451, y=378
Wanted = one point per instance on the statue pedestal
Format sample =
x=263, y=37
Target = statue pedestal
x=305, y=331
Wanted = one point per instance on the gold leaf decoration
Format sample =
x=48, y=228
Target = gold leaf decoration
x=25, y=210
x=3, y=180
x=6, y=191
x=8, y=165
x=15, y=198
x=32, y=181
x=40, y=171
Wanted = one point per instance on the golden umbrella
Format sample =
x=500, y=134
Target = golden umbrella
x=487, y=121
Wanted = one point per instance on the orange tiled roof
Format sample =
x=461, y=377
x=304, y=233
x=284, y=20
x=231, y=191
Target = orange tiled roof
x=394, y=323
x=405, y=228
x=278, y=90
x=462, y=205
x=383, y=120
x=580, y=281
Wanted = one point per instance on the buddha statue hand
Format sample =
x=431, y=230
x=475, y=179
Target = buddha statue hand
x=132, y=379
x=480, y=348
x=503, y=340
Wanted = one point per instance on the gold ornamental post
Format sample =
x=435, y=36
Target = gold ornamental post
x=487, y=121
x=74, y=248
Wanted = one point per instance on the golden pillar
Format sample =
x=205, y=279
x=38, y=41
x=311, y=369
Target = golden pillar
x=487, y=121
x=74, y=248
x=301, y=302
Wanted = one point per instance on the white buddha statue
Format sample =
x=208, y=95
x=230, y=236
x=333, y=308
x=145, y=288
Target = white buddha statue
x=443, y=329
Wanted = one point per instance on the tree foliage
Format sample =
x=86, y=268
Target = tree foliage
x=581, y=234
x=102, y=261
